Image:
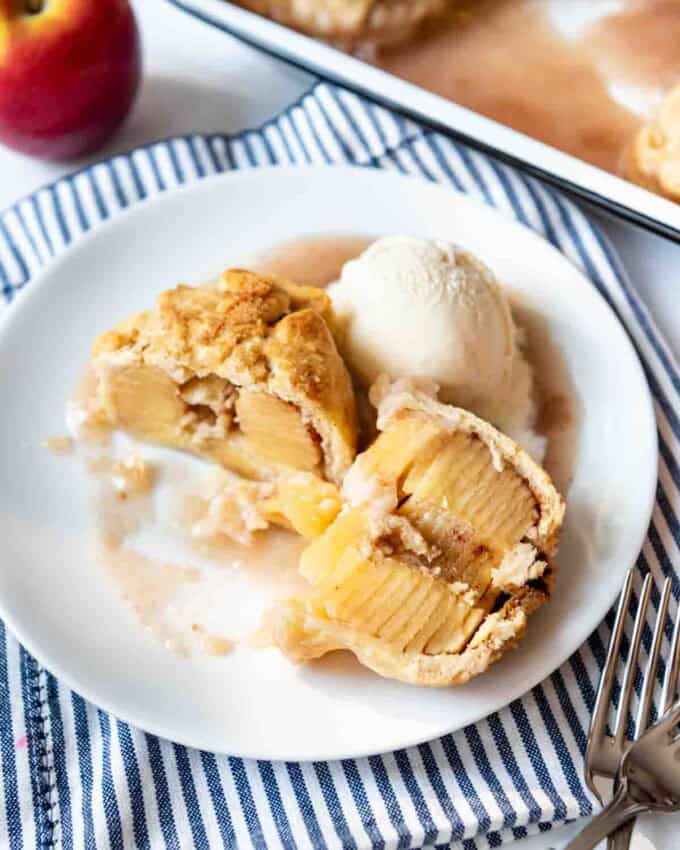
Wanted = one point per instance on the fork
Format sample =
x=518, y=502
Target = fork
x=648, y=781
x=605, y=753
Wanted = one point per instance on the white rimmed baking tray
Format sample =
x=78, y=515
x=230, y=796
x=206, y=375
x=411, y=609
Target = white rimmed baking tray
x=562, y=170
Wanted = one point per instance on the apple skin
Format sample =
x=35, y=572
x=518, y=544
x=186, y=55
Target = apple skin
x=68, y=74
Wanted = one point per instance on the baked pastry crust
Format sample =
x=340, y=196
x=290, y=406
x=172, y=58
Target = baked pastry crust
x=212, y=361
x=351, y=22
x=653, y=158
x=443, y=549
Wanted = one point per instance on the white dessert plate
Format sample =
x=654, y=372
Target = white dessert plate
x=63, y=605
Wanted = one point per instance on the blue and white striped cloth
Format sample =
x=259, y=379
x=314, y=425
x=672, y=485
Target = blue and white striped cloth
x=73, y=776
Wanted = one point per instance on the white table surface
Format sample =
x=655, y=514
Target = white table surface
x=199, y=79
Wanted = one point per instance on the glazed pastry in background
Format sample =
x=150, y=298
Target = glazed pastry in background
x=351, y=22
x=246, y=374
x=653, y=159
x=443, y=549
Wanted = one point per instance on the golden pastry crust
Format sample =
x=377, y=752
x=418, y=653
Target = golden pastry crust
x=653, y=158
x=351, y=22
x=204, y=331
x=260, y=333
x=303, y=637
x=444, y=548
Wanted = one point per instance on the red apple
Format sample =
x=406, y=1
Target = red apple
x=69, y=71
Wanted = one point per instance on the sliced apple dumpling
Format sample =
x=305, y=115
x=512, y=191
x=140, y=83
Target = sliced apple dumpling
x=246, y=374
x=442, y=549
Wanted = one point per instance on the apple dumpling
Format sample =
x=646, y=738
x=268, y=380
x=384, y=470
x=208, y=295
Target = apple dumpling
x=246, y=374
x=442, y=549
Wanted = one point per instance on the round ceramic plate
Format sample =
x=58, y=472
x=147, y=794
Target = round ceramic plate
x=63, y=606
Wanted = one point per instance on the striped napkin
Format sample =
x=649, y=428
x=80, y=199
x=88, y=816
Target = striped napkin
x=73, y=776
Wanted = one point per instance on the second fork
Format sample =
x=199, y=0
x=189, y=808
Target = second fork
x=605, y=752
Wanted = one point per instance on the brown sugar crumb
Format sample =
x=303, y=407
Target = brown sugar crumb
x=58, y=445
x=132, y=476
x=211, y=644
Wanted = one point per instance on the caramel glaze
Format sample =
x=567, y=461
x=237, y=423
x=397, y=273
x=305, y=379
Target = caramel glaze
x=504, y=59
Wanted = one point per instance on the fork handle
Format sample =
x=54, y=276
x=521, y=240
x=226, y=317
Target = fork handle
x=620, y=838
x=621, y=809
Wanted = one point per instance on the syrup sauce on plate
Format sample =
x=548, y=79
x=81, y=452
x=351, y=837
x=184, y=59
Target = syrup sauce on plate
x=314, y=260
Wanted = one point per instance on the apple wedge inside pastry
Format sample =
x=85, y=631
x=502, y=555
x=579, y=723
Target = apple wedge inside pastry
x=443, y=548
x=246, y=374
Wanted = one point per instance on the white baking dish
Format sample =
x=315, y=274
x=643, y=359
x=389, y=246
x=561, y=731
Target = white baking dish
x=568, y=173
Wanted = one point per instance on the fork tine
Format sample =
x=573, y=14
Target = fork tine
x=643, y=715
x=670, y=683
x=632, y=663
x=598, y=724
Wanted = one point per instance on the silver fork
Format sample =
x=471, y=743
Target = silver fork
x=648, y=781
x=605, y=753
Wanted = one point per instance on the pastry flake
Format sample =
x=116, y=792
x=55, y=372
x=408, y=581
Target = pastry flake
x=246, y=374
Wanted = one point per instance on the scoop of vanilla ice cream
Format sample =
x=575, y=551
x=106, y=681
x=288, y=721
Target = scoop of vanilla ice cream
x=425, y=309
x=419, y=308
